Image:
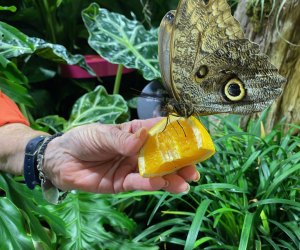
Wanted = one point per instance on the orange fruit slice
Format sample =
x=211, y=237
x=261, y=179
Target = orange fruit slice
x=173, y=143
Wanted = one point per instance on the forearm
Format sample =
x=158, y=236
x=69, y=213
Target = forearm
x=13, y=140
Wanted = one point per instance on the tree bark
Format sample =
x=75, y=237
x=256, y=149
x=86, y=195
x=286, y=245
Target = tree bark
x=279, y=37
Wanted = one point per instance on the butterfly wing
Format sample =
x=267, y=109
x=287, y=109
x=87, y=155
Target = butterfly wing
x=212, y=66
x=164, y=50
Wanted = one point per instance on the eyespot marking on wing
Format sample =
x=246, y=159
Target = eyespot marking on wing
x=234, y=90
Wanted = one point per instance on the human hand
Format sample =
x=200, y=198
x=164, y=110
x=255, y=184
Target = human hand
x=103, y=159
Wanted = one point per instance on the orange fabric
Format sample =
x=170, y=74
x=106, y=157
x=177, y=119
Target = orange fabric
x=9, y=111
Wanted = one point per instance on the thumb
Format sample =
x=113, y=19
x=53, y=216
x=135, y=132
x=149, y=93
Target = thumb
x=129, y=144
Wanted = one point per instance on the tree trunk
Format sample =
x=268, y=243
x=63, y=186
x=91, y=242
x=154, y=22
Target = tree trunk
x=278, y=36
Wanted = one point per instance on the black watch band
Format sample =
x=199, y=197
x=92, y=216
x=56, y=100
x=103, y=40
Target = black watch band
x=31, y=174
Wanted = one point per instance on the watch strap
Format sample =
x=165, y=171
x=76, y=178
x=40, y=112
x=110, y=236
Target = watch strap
x=31, y=174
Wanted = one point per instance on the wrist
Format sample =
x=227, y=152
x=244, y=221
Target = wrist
x=52, y=161
x=34, y=171
x=13, y=140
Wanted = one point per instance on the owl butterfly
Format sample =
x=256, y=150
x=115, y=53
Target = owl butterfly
x=208, y=66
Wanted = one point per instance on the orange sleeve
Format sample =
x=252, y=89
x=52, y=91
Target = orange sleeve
x=9, y=112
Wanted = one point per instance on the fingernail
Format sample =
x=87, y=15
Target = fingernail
x=166, y=184
x=198, y=177
x=187, y=190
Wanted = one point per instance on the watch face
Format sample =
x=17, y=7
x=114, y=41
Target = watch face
x=151, y=101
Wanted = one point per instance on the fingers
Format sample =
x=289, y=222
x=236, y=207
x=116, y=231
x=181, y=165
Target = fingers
x=128, y=138
x=149, y=123
x=126, y=143
x=178, y=181
x=135, y=181
x=173, y=183
x=135, y=125
x=189, y=173
x=176, y=184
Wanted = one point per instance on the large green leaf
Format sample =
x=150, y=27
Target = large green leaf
x=13, y=82
x=122, y=41
x=14, y=43
x=87, y=216
x=26, y=200
x=12, y=231
x=53, y=122
x=98, y=106
x=95, y=106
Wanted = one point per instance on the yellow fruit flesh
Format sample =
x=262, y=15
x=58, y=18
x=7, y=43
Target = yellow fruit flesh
x=173, y=144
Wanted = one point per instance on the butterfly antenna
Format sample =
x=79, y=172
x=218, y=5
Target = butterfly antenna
x=168, y=119
x=174, y=128
x=181, y=128
x=135, y=92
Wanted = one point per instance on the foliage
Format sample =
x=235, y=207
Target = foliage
x=13, y=82
x=248, y=194
x=95, y=106
x=15, y=44
x=122, y=41
x=247, y=198
x=10, y=213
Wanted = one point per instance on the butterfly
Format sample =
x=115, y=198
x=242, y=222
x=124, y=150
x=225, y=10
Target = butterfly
x=207, y=64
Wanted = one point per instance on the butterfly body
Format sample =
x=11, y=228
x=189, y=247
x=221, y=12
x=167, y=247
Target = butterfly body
x=209, y=67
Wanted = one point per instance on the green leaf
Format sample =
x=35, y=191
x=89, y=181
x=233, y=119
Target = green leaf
x=197, y=221
x=10, y=71
x=12, y=231
x=86, y=216
x=265, y=223
x=251, y=160
x=14, y=43
x=122, y=41
x=220, y=186
x=273, y=201
x=134, y=194
x=288, y=232
x=271, y=242
x=53, y=122
x=39, y=70
x=224, y=210
x=278, y=180
x=95, y=106
x=8, y=8
x=98, y=106
x=13, y=82
x=58, y=3
x=157, y=228
x=158, y=204
x=202, y=241
x=26, y=200
x=246, y=231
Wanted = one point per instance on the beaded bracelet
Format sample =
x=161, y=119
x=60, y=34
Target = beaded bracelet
x=41, y=153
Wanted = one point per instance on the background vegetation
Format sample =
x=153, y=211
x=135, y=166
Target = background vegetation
x=248, y=194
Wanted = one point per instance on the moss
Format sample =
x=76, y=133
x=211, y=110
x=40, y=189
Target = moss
x=258, y=11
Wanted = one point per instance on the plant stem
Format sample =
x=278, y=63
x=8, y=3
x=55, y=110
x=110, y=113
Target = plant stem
x=118, y=79
x=23, y=110
x=50, y=21
x=25, y=113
